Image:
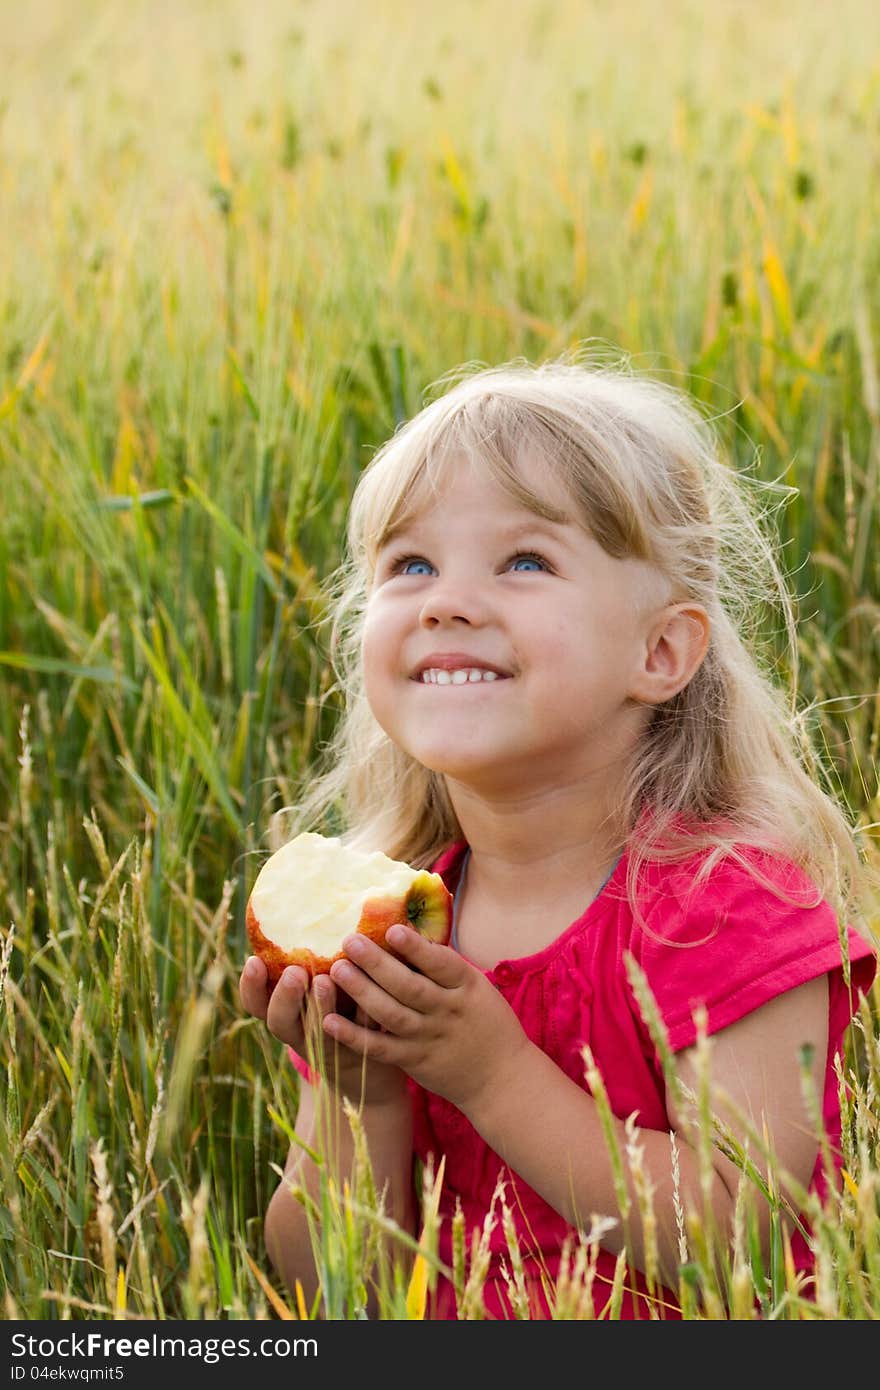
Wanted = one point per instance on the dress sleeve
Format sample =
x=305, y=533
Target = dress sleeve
x=301, y=1065
x=732, y=944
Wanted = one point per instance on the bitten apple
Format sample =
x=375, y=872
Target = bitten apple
x=315, y=891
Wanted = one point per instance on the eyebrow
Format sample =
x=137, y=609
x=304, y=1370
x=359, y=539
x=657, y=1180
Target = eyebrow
x=536, y=526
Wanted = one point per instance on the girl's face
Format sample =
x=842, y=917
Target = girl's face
x=563, y=621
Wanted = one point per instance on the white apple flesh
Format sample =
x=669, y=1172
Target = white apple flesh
x=314, y=891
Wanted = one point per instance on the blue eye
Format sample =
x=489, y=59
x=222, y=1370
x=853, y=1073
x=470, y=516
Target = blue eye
x=408, y=560
x=527, y=555
x=400, y=565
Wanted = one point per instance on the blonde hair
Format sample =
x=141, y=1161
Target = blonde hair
x=728, y=760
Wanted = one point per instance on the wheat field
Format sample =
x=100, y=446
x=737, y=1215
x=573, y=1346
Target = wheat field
x=237, y=244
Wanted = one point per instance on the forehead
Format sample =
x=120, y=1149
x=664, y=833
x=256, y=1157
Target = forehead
x=526, y=499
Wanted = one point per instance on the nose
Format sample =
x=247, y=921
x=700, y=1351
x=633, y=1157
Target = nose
x=453, y=600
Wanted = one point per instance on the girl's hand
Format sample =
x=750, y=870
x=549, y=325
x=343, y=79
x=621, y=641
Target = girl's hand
x=293, y=1012
x=440, y=1019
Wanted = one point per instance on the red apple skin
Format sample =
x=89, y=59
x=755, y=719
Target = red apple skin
x=433, y=921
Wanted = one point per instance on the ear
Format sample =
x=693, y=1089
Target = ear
x=673, y=650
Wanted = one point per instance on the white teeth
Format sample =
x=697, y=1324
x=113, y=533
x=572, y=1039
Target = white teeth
x=436, y=676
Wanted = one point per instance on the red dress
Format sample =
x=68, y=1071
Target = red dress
x=735, y=946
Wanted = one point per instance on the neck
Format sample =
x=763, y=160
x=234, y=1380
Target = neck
x=558, y=839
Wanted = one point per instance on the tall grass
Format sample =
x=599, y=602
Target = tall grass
x=237, y=244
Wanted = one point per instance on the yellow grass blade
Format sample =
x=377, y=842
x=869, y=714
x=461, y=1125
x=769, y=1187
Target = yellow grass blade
x=28, y=371
x=777, y=281
x=63, y=1064
x=278, y=1304
x=417, y=1293
x=642, y=201
x=788, y=126
x=456, y=175
x=402, y=240
x=301, y=1301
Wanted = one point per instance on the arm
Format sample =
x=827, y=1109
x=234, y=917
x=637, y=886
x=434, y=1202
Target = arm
x=448, y=1027
x=549, y=1131
x=325, y=1129
x=292, y=1011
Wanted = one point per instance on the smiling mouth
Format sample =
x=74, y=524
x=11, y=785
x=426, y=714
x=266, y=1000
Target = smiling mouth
x=461, y=684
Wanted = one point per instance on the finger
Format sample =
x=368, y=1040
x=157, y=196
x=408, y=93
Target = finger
x=324, y=998
x=252, y=989
x=284, y=1014
x=394, y=976
x=344, y=1005
x=325, y=1001
x=380, y=1006
x=320, y=1000
x=438, y=963
x=367, y=1042
x=362, y=1019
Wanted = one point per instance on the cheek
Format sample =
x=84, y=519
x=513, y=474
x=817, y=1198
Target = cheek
x=557, y=646
x=371, y=646
x=378, y=652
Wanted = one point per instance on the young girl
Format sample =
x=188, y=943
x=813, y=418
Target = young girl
x=550, y=703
